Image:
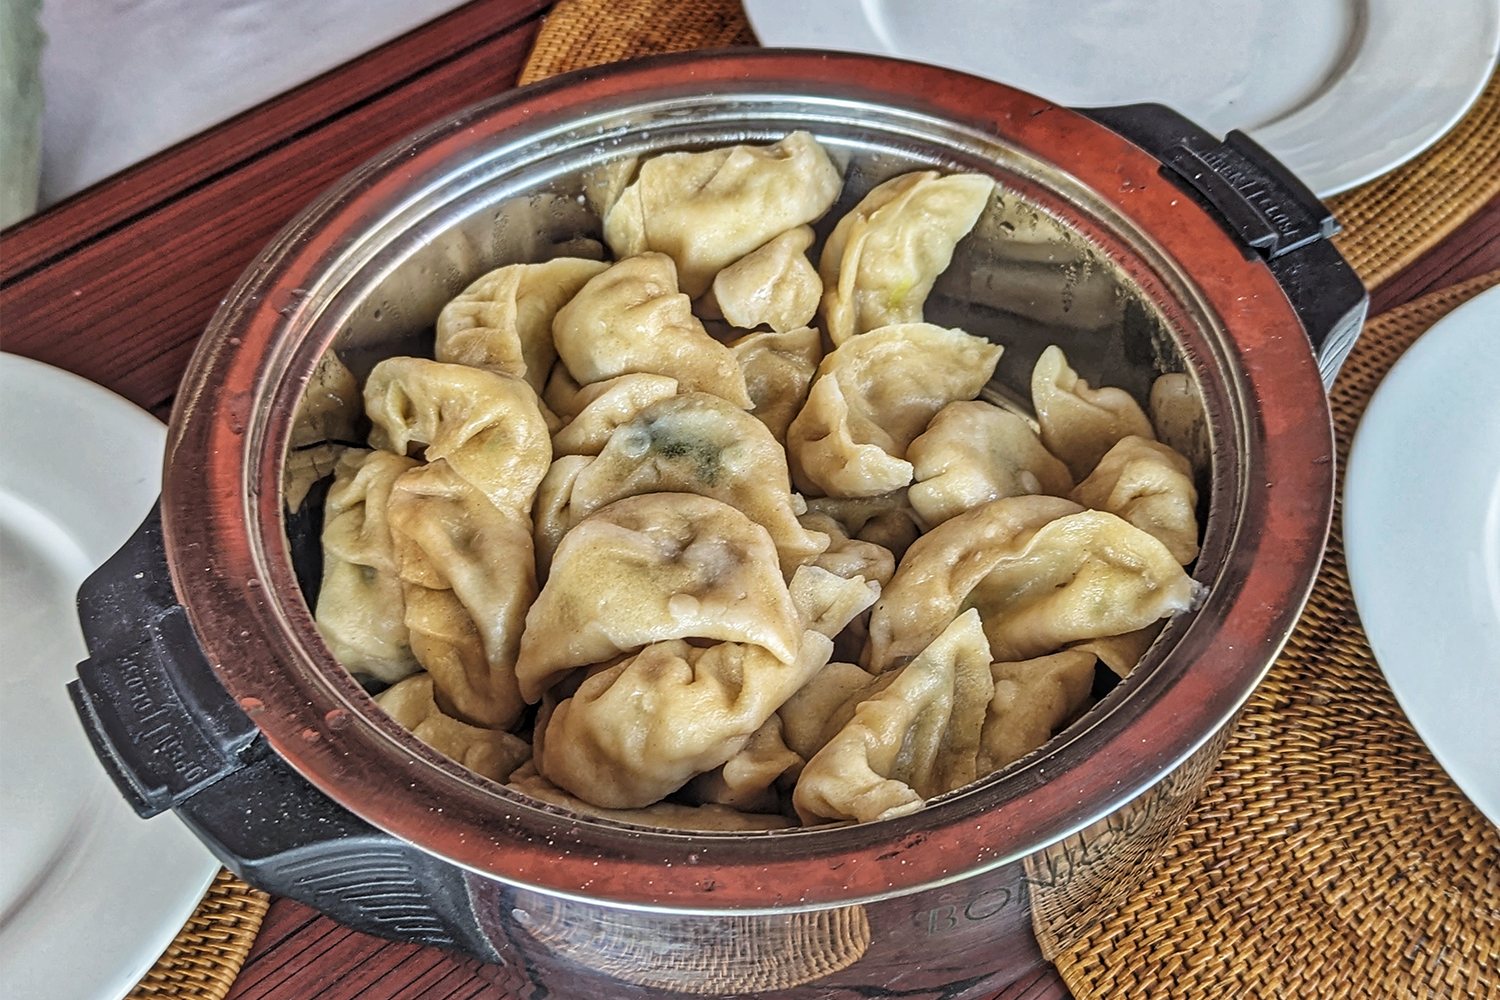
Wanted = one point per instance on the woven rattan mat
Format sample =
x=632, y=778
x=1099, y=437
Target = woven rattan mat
x=203, y=960
x=1388, y=222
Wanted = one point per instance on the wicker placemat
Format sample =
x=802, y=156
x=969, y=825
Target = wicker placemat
x=204, y=959
x=1388, y=222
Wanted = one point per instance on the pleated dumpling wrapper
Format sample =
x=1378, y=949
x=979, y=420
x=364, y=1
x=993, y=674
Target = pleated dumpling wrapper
x=748, y=779
x=872, y=397
x=653, y=568
x=881, y=260
x=1151, y=486
x=632, y=318
x=493, y=753
x=973, y=453
x=502, y=322
x=917, y=738
x=605, y=406
x=1033, y=699
x=361, y=611
x=690, y=443
x=779, y=369
x=1080, y=424
x=640, y=729
x=773, y=286
x=662, y=815
x=461, y=523
x=707, y=210
x=1042, y=571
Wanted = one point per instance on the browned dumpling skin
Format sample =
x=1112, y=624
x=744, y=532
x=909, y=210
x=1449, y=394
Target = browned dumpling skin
x=662, y=815
x=653, y=568
x=917, y=738
x=779, y=369
x=361, y=611
x=493, y=753
x=1032, y=700
x=605, y=406
x=707, y=210
x=773, y=286
x=881, y=260
x=691, y=443
x=872, y=396
x=1043, y=573
x=631, y=318
x=1151, y=486
x=503, y=321
x=972, y=453
x=639, y=730
x=487, y=426
x=1080, y=424
x=468, y=577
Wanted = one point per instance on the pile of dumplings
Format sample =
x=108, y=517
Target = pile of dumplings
x=780, y=573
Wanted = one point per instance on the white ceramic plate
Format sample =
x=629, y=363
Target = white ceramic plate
x=1341, y=91
x=90, y=894
x=1422, y=536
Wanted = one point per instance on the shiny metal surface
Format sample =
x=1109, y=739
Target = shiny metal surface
x=1157, y=287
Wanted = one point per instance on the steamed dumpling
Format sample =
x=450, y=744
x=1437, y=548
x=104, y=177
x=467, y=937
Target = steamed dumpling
x=825, y=704
x=632, y=318
x=872, y=397
x=973, y=453
x=1151, y=486
x=707, y=210
x=881, y=260
x=654, y=568
x=917, y=738
x=663, y=815
x=327, y=423
x=1032, y=700
x=503, y=321
x=774, y=286
x=493, y=753
x=748, y=779
x=487, y=426
x=468, y=577
x=606, y=405
x=1043, y=573
x=1080, y=424
x=779, y=368
x=637, y=731
x=361, y=612
x=692, y=443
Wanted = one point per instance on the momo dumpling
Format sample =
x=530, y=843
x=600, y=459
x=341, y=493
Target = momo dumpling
x=663, y=815
x=849, y=557
x=361, y=612
x=1042, y=571
x=773, y=286
x=881, y=260
x=1151, y=486
x=917, y=738
x=487, y=426
x=1032, y=700
x=652, y=568
x=606, y=405
x=973, y=453
x=693, y=443
x=779, y=368
x=872, y=397
x=822, y=706
x=493, y=753
x=327, y=423
x=886, y=520
x=1080, y=424
x=826, y=602
x=468, y=577
x=637, y=731
x=747, y=780
x=1121, y=653
x=707, y=210
x=631, y=318
x=503, y=321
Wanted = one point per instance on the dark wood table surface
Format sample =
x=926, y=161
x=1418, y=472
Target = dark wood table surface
x=117, y=282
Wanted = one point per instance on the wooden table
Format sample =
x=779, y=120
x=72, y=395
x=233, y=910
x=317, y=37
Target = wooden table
x=117, y=282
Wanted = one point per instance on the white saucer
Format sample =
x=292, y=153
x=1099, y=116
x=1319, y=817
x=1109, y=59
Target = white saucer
x=90, y=894
x=1422, y=535
x=1341, y=91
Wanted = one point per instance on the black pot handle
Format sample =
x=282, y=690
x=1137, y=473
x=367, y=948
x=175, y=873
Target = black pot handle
x=1264, y=208
x=172, y=737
